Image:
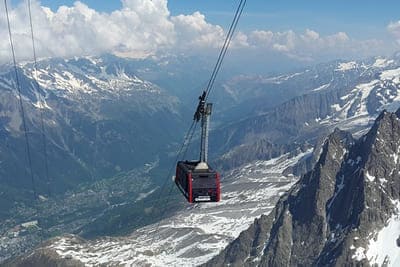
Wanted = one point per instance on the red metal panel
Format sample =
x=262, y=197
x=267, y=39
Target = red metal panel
x=218, y=188
x=190, y=195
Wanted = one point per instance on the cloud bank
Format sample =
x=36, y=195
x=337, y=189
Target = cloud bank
x=145, y=27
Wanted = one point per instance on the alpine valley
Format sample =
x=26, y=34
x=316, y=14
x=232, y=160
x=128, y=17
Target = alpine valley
x=308, y=159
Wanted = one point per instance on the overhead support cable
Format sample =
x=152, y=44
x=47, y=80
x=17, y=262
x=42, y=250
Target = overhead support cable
x=225, y=47
x=18, y=85
x=42, y=102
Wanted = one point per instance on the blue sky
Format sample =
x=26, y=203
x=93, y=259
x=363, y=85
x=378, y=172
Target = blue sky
x=295, y=32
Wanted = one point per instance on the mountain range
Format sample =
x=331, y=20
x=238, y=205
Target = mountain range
x=348, y=95
x=271, y=133
x=95, y=115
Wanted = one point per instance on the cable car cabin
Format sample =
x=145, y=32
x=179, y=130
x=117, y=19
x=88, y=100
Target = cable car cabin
x=197, y=181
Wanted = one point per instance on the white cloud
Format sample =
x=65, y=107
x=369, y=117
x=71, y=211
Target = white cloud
x=310, y=35
x=140, y=28
x=312, y=46
x=261, y=38
x=285, y=41
x=145, y=27
x=194, y=31
x=394, y=29
x=240, y=40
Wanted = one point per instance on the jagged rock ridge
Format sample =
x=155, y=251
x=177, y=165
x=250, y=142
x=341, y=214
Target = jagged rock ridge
x=337, y=214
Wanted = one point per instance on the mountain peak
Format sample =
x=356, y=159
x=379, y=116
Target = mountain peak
x=338, y=210
x=336, y=145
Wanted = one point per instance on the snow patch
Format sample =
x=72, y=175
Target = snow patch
x=336, y=107
x=144, y=195
x=390, y=74
x=41, y=105
x=359, y=254
x=395, y=157
x=354, y=105
x=346, y=66
x=383, y=247
x=371, y=178
x=365, y=90
x=322, y=87
x=382, y=63
x=382, y=180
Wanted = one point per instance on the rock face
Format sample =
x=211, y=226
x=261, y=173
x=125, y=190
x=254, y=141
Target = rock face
x=259, y=149
x=339, y=213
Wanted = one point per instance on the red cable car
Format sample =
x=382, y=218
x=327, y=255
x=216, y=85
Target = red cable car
x=195, y=179
x=198, y=182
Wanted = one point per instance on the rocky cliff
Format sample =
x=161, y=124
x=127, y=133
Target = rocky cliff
x=343, y=212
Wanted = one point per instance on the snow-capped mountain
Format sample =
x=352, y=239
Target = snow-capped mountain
x=97, y=78
x=348, y=95
x=192, y=236
x=99, y=118
x=267, y=143
x=345, y=211
x=81, y=95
